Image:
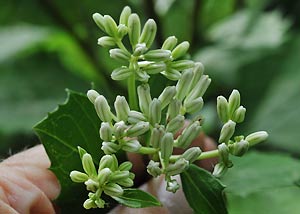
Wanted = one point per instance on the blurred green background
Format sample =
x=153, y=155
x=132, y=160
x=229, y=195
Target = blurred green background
x=252, y=45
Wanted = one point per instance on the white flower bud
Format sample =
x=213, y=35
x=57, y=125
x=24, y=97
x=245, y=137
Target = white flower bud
x=92, y=95
x=125, y=166
x=144, y=97
x=78, y=177
x=183, y=85
x=142, y=76
x=191, y=154
x=178, y=167
x=125, y=15
x=180, y=50
x=239, y=148
x=122, y=108
x=91, y=185
x=103, y=109
x=131, y=146
x=117, y=176
x=172, y=186
x=105, y=131
x=103, y=176
x=127, y=182
x=182, y=64
x=167, y=95
x=155, y=68
x=119, y=55
x=200, y=88
x=173, y=109
x=239, y=114
x=193, y=106
x=88, y=165
x=156, y=136
x=219, y=170
x=234, y=101
x=188, y=135
x=148, y=33
x=153, y=169
x=157, y=55
x=99, y=20
x=224, y=155
x=121, y=73
x=122, y=31
x=109, y=147
x=134, y=25
x=175, y=124
x=119, y=129
x=155, y=111
x=172, y=74
x=107, y=161
x=137, y=129
x=89, y=203
x=169, y=43
x=227, y=131
x=222, y=109
x=135, y=117
x=198, y=72
x=81, y=151
x=166, y=146
x=257, y=137
x=110, y=26
x=106, y=41
x=139, y=49
x=113, y=189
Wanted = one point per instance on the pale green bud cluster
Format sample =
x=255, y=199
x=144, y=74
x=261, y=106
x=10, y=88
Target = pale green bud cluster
x=109, y=179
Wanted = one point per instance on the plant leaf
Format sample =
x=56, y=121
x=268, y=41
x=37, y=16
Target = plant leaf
x=137, y=198
x=73, y=124
x=203, y=191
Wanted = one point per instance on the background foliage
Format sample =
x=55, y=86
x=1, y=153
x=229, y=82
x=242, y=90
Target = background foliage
x=252, y=45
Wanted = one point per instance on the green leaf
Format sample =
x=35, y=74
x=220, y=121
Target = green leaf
x=137, y=198
x=73, y=124
x=258, y=180
x=203, y=191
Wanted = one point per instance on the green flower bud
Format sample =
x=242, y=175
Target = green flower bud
x=182, y=86
x=92, y=95
x=137, y=129
x=224, y=155
x=153, y=169
x=91, y=185
x=156, y=136
x=188, y=135
x=121, y=73
x=105, y=131
x=117, y=176
x=135, y=117
x=131, y=175
x=81, y=151
x=88, y=165
x=172, y=74
x=219, y=170
x=175, y=124
x=193, y=106
x=119, y=129
x=180, y=50
x=140, y=48
x=257, y=137
x=191, y=154
x=106, y=41
x=103, y=176
x=227, y=131
x=166, y=146
x=155, y=111
x=157, y=55
x=239, y=114
x=125, y=15
x=144, y=97
x=103, y=109
x=198, y=72
x=234, y=101
x=122, y=108
x=109, y=147
x=172, y=186
x=113, y=189
x=182, y=64
x=173, y=109
x=169, y=43
x=122, y=31
x=222, y=109
x=100, y=203
x=148, y=33
x=78, y=177
x=134, y=25
x=142, y=76
x=119, y=55
x=167, y=95
x=178, y=167
x=127, y=182
x=155, y=68
x=89, y=203
x=110, y=26
x=125, y=166
x=239, y=148
x=131, y=146
x=99, y=20
x=107, y=161
x=200, y=88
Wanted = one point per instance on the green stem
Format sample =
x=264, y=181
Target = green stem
x=147, y=150
x=204, y=155
x=132, y=93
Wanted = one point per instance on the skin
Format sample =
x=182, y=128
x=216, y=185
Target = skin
x=27, y=186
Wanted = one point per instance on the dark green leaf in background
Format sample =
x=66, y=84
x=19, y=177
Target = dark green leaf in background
x=136, y=198
x=203, y=192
